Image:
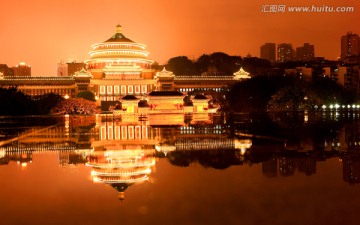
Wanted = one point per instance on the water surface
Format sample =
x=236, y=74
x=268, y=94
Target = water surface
x=201, y=169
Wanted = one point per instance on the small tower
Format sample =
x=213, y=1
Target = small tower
x=165, y=80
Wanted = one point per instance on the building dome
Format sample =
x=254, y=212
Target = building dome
x=118, y=50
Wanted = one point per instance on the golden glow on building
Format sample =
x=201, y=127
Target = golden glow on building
x=118, y=52
x=120, y=168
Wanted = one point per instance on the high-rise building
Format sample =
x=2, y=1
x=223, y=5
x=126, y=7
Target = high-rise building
x=62, y=69
x=285, y=52
x=350, y=45
x=22, y=70
x=305, y=53
x=69, y=68
x=6, y=71
x=268, y=51
x=73, y=67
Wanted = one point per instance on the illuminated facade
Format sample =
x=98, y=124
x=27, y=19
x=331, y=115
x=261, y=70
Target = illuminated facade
x=33, y=86
x=165, y=102
x=120, y=67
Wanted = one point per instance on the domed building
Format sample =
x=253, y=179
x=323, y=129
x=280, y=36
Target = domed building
x=120, y=67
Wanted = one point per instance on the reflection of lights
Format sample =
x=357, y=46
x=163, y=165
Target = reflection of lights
x=165, y=148
x=242, y=144
x=306, y=118
x=242, y=151
x=121, y=168
x=23, y=164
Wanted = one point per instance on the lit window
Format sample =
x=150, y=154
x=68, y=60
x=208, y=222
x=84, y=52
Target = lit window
x=123, y=89
x=123, y=132
x=130, y=89
x=102, y=89
x=116, y=89
x=137, y=89
x=109, y=89
x=143, y=88
x=131, y=132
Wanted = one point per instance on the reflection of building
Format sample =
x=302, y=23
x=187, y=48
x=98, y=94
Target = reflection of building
x=270, y=167
x=120, y=168
x=351, y=169
x=22, y=158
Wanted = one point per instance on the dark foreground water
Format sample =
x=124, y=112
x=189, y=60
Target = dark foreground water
x=200, y=169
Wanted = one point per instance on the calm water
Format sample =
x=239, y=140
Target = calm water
x=200, y=169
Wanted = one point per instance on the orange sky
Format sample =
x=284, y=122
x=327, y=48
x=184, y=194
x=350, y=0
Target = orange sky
x=41, y=32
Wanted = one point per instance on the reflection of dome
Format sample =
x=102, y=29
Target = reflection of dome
x=120, y=168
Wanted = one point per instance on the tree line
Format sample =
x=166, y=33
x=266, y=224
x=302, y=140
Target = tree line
x=15, y=103
x=217, y=63
x=286, y=93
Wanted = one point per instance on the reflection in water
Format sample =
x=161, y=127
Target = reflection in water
x=122, y=150
x=120, y=168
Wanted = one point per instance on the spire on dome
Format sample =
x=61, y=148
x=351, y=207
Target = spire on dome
x=118, y=28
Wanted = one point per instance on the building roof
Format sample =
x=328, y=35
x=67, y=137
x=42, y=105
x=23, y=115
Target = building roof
x=165, y=93
x=118, y=36
x=200, y=96
x=129, y=97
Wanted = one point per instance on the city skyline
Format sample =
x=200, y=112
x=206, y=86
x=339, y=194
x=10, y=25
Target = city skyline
x=42, y=33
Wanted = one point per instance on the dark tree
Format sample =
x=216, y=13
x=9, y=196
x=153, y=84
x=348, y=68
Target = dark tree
x=46, y=102
x=253, y=95
x=14, y=102
x=88, y=95
x=181, y=65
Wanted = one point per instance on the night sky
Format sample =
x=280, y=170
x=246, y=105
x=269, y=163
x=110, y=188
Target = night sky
x=42, y=32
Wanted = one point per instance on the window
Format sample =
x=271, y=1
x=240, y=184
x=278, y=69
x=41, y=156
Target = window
x=137, y=89
x=102, y=89
x=143, y=88
x=109, y=89
x=123, y=132
x=123, y=89
x=130, y=89
x=116, y=89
